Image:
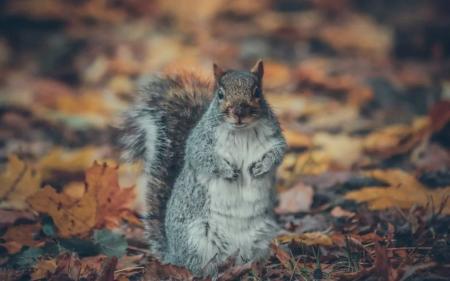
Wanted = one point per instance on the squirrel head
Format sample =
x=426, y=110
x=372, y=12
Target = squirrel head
x=239, y=94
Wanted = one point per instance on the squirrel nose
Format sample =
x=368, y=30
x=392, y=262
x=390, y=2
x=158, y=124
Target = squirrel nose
x=241, y=110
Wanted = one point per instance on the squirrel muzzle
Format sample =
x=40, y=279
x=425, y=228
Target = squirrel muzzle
x=240, y=114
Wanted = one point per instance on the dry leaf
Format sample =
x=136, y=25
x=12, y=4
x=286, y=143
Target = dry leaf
x=296, y=199
x=309, y=239
x=17, y=183
x=276, y=74
x=296, y=139
x=112, y=201
x=342, y=149
x=71, y=216
x=102, y=203
x=20, y=235
x=43, y=269
x=157, y=271
x=397, y=139
x=404, y=191
x=360, y=34
x=281, y=255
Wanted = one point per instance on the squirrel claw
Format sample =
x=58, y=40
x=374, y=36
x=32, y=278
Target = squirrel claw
x=258, y=169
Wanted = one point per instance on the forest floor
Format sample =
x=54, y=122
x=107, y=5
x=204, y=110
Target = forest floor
x=361, y=89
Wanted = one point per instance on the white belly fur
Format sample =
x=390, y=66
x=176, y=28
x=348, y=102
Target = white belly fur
x=238, y=208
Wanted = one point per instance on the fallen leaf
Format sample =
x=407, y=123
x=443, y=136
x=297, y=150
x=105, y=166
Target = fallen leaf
x=309, y=239
x=360, y=34
x=296, y=199
x=43, y=269
x=276, y=74
x=404, y=191
x=296, y=139
x=439, y=115
x=17, y=183
x=158, y=271
x=74, y=212
x=342, y=149
x=338, y=212
x=112, y=201
x=71, y=216
x=282, y=255
x=397, y=139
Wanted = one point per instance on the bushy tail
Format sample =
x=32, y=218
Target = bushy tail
x=155, y=130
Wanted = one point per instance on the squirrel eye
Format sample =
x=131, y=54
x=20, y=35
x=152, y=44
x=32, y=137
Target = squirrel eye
x=220, y=93
x=257, y=92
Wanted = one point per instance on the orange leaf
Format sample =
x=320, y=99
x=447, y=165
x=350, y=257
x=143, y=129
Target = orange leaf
x=404, y=191
x=71, y=216
x=112, y=201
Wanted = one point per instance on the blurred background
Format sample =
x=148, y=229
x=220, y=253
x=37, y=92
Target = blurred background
x=68, y=67
x=358, y=85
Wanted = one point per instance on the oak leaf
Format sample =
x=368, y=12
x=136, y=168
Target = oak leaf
x=403, y=191
x=17, y=183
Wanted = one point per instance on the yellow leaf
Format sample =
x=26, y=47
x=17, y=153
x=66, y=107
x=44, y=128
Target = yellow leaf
x=17, y=183
x=71, y=216
x=80, y=207
x=404, y=191
x=309, y=239
x=342, y=149
x=397, y=139
x=297, y=139
x=59, y=159
x=43, y=269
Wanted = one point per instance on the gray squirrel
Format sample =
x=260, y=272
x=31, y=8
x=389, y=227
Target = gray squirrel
x=210, y=154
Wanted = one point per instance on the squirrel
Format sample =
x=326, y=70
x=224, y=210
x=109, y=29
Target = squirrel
x=210, y=153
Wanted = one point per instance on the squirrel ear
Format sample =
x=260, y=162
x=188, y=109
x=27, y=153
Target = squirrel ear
x=258, y=69
x=218, y=72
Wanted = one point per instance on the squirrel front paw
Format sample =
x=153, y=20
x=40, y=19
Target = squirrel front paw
x=228, y=171
x=260, y=167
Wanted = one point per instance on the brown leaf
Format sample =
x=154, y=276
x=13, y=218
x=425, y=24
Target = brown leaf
x=397, y=139
x=440, y=115
x=359, y=34
x=112, y=201
x=156, y=271
x=71, y=216
x=309, y=239
x=20, y=235
x=102, y=204
x=43, y=269
x=8, y=217
x=282, y=255
x=17, y=183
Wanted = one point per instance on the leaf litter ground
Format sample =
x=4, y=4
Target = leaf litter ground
x=361, y=93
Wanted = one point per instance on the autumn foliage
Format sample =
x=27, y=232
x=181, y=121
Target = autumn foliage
x=360, y=89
